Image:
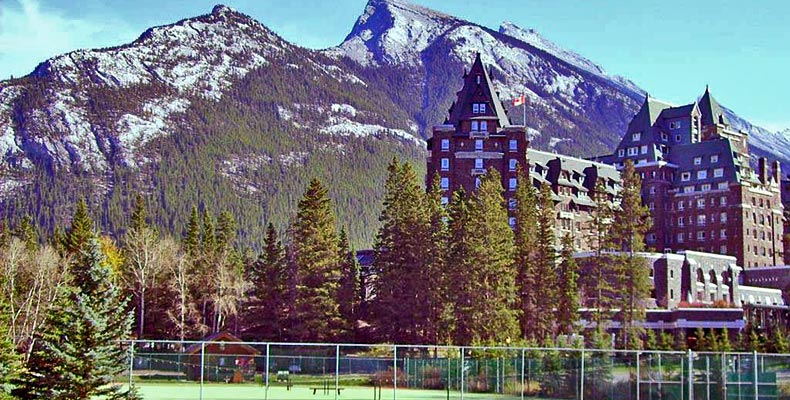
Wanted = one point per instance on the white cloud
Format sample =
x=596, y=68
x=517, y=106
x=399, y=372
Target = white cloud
x=30, y=33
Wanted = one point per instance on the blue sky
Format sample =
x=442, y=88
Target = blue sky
x=671, y=48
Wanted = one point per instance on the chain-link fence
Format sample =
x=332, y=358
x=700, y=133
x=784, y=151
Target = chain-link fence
x=234, y=370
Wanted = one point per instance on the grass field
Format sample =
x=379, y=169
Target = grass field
x=221, y=391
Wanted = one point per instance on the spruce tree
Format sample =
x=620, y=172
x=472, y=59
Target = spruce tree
x=402, y=309
x=458, y=255
x=488, y=312
x=315, y=314
x=81, y=231
x=546, y=267
x=568, y=291
x=348, y=292
x=525, y=231
x=192, y=235
x=601, y=277
x=77, y=353
x=436, y=271
x=27, y=233
x=268, y=277
x=630, y=226
x=139, y=215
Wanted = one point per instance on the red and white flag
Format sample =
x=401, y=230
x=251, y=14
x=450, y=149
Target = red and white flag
x=518, y=101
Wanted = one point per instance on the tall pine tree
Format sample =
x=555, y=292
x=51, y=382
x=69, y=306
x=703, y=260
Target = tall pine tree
x=528, y=281
x=600, y=280
x=568, y=291
x=268, y=277
x=315, y=314
x=630, y=226
x=81, y=231
x=78, y=353
x=348, y=293
x=487, y=310
x=546, y=267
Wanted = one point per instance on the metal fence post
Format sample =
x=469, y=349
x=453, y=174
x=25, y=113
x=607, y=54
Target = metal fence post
x=266, y=371
x=690, y=376
x=462, y=373
x=337, y=370
x=395, y=372
x=581, y=384
x=637, y=375
x=131, y=363
x=523, y=359
x=202, y=366
x=756, y=380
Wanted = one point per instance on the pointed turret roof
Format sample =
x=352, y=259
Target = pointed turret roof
x=472, y=89
x=647, y=115
x=712, y=113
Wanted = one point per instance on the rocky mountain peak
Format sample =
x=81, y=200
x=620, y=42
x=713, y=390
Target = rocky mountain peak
x=393, y=32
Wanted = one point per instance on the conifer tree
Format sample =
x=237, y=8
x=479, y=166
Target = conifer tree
x=546, y=266
x=77, y=354
x=81, y=231
x=27, y=233
x=139, y=215
x=436, y=264
x=269, y=282
x=630, y=226
x=601, y=277
x=315, y=315
x=348, y=292
x=402, y=309
x=724, y=343
x=525, y=232
x=488, y=310
x=192, y=235
x=568, y=291
x=458, y=255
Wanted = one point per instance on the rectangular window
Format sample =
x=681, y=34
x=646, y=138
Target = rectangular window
x=674, y=125
x=664, y=136
x=475, y=108
x=723, y=218
x=513, y=146
x=511, y=184
x=632, y=151
x=478, y=144
x=700, y=203
x=621, y=153
x=482, y=108
x=643, y=149
x=688, y=189
x=722, y=186
x=678, y=138
x=706, y=187
x=445, y=144
x=512, y=164
x=718, y=172
x=714, y=159
x=681, y=222
x=512, y=222
x=484, y=126
x=681, y=205
x=511, y=204
x=702, y=174
x=478, y=163
x=701, y=220
x=445, y=164
x=636, y=136
x=445, y=201
x=445, y=183
x=723, y=250
x=680, y=238
x=652, y=190
x=700, y=235
x=475, y=126
x=685, y=176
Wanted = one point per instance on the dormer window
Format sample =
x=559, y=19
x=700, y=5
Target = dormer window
x=664, y=136
x=484, y=126
x=475, y=108
x=475, y=126
x=697, y=160
x=674, y=125
x=636, y=136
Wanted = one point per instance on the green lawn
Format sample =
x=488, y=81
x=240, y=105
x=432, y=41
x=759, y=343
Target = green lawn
x=219, y=391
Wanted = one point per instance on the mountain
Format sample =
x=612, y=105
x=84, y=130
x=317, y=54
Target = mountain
x=218, y=111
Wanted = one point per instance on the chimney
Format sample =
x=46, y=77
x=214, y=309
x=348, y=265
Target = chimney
x=778, y=172
x=763, y=170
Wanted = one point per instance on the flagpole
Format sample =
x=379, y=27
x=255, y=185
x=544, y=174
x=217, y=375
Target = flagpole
x=524, y=107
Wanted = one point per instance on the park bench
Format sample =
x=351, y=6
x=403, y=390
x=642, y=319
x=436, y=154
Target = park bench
x=326, y=389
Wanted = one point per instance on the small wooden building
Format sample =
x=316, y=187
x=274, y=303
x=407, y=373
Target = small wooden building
x=225, y=359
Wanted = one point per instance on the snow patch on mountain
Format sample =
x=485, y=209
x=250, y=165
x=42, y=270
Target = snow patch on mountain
x=136, y=130
x=342, y=126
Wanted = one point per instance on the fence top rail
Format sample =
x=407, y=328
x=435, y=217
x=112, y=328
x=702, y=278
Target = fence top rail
x=429, y=347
